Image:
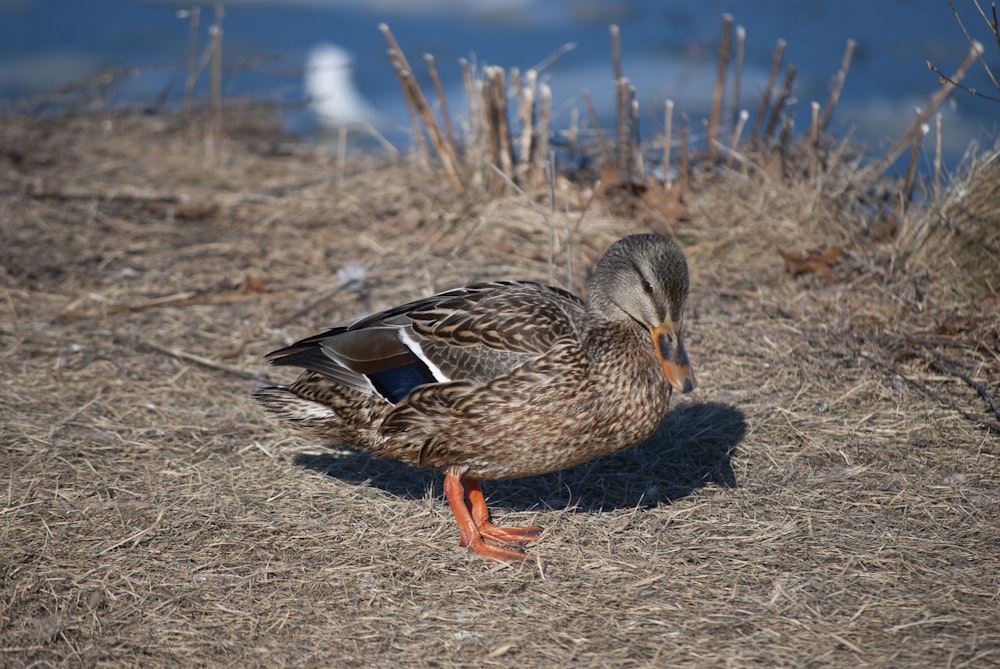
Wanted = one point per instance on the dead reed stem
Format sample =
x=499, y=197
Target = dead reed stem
x=475, y=101
x=191, y=67
x=215, y=127
x=815, y=133
x=798, y=162
x=422, y=151
x=785, y=138
x=541, y=150
x=175, y=352
x=442, y=101
x=734, y=140
x=554, y=56
x=515, y=82
x=906, y=193
x=779, y=105
x=616, y=52
x=623, y=149
x=684, y=153
x=463, y=64
x=720, y=86
x=411, y=89
x=503, y=124
x=838, y=85
x=552, y=221
x=765, y=100
x=635, y=151
x=602, y=146
x=623, y=158
x=741, y=36
x=668, y=122
x=185, y=299
x=932, y=104
x=400, y=67
x=495, y=100
x=937, y=157
x=526, y=96
x=911, y=168
x=993, y=25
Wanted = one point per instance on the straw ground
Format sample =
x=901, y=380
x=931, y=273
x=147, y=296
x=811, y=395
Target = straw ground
x=827, y=497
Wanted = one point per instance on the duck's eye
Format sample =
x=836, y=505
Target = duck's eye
x=647, y=286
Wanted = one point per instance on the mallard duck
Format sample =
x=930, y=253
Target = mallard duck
x=501, y=380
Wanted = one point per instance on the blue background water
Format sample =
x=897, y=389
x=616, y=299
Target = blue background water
x=669, y=50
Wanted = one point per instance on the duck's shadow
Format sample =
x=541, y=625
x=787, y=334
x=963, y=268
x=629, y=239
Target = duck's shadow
x=692, y=448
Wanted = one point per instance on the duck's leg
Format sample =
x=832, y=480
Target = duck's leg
x=481, y=514
x=468, y=529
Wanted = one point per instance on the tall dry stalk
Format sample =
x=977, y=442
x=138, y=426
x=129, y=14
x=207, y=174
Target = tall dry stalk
x=911, y=168
x=411, y=89
x=779, y=105
x=616, y=51
x=191, y=67
x=720, y=87
x=497, y=129
x=475, y=102
x=527, y=94
x=935, y=100
x=741, y=36
x=734, y=139
x=668, y=138
x=906, y=194
x=215, y=97
x=937, y=157
x=422, y=152
x=993, y=25
x=814, y=135
x=684, y=153
x=442, y=101
x=783, y=148
x=838, y=85
x=623, y=151
x=765, y=100
x=602, y=146
x=541, y=151
x=637, y=161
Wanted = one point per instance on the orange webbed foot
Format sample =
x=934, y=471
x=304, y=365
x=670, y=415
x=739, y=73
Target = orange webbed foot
x=475, y=528
x=509, y=535
x=501, y=553
x=481, y=514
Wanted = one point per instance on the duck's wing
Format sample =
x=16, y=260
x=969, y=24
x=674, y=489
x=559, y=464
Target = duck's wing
x=475, y=334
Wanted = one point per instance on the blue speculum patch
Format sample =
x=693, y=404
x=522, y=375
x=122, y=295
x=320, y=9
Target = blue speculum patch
x=395, y=384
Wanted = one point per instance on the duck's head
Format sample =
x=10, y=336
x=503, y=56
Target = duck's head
x=645, y=278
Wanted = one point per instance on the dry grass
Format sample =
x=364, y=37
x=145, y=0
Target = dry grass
x=828, y=496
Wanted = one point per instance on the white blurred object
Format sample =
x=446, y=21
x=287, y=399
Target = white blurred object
x=336, y=101
x=352, y=276
x=329, y=85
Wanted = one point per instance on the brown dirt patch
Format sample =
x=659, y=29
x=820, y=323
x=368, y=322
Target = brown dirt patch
x=828, y=496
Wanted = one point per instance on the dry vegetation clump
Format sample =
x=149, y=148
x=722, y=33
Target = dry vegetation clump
x=960, y=237
x=827, y=497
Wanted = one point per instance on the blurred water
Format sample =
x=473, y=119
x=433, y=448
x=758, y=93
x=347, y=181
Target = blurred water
x=669, y=50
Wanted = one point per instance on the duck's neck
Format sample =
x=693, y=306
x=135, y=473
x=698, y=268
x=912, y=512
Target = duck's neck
x=619, y=344
x=627, y=378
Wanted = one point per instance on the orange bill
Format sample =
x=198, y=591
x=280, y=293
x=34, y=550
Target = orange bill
x=673, y=357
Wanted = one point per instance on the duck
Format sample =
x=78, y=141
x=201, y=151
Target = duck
x=501, y=379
